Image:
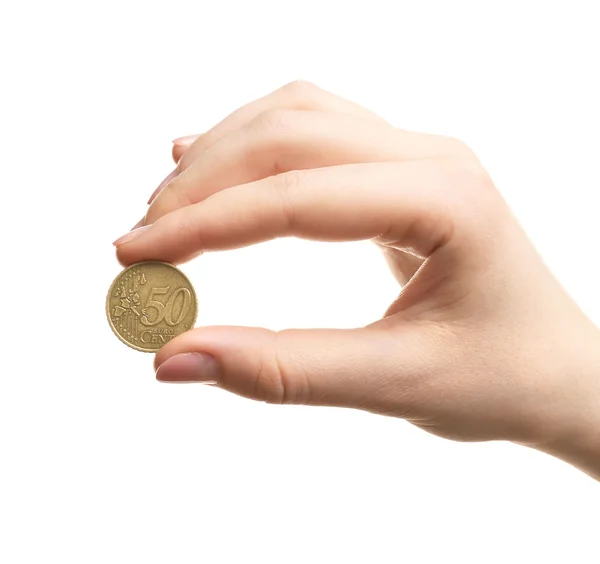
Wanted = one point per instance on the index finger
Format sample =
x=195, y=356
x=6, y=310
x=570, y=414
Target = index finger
x=401, y=205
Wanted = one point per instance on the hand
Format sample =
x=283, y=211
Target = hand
x=482, y=342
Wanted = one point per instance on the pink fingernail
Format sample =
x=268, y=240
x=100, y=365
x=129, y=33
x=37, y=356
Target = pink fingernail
x=165, y=181
x=186, y=140
x=138, y=224
x=189, y=367
x=128, y=237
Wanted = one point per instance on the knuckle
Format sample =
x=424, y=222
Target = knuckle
x=269, y=385
x=286, y=186
x=474, y=202
x=276, y=121
x=289, y=182
x=274, y=381
x=300, y=91
x=465, y=173
x=474, y=175
x=458, y=148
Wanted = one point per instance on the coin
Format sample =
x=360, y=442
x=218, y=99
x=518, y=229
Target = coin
x=150, y=303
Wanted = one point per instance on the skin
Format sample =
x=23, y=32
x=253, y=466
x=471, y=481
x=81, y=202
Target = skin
x=482, y=342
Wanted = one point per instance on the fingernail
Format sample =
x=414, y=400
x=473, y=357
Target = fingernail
x=165, y=181
x=128, y=237
x=186, y=140
x=189, y=367
x=139, y=223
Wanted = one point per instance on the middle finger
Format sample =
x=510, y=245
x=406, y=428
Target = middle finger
x=284, y=140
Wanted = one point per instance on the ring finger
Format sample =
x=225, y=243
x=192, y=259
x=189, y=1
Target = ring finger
x=297, y=95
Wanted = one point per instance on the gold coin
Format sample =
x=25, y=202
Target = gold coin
x=149, y=304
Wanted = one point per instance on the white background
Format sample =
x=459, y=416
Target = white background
x=98, y=461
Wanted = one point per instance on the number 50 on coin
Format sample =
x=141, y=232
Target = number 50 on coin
x=150, y=303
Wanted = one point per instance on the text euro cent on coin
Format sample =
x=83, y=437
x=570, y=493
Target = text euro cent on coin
x=150, y=303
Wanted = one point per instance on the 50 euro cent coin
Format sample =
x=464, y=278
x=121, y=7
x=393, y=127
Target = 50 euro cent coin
x=149, y=304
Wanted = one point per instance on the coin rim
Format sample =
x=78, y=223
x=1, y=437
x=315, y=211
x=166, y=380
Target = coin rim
x=137, y=264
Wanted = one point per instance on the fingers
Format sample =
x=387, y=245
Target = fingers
x=283, y=140
x=181, y=145
x=402, y=205
x=351, y=368
x=298, y=95
x=158, y=189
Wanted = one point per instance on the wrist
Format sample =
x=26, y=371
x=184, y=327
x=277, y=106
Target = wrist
x=573, y=430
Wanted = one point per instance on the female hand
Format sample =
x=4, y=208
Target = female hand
x=482, y=342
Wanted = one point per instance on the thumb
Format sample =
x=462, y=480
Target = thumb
x=350, y=368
